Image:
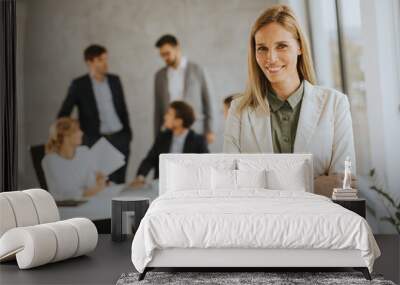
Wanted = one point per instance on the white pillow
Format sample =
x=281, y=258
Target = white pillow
x=185, y=173
x=223, y=179
x=282, y=174
x=181, y=177
x=293, y=178
x=251, y=178
x=227, y=179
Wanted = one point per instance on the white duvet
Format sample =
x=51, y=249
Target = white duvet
x=253, y=218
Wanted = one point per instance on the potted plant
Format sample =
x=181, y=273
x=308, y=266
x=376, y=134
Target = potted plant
x=391, y=204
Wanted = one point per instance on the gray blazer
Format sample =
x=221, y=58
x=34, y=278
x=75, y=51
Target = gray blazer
x=195, y=93
x=324, y=130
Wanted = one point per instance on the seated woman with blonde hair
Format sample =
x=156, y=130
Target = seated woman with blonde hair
x=68, y=166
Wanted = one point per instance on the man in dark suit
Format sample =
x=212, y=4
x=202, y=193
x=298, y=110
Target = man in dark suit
x=102, y=111
x=176, y=138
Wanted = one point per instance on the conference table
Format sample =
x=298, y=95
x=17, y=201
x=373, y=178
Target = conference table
x=98, y=207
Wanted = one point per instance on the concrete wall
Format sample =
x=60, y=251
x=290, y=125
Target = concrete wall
x=213, y=33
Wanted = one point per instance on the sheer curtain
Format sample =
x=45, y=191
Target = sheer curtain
x=8, y=103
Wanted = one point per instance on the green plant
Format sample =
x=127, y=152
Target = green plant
x=392, y=206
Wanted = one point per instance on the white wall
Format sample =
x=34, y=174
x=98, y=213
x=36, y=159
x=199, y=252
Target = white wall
x=212, y=33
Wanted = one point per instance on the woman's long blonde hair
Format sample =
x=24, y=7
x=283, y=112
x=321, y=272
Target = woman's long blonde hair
x=63, y=127
x=257, y=83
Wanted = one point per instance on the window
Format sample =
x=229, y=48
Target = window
x=339, y=62
x=325, y=47
x=351, y=47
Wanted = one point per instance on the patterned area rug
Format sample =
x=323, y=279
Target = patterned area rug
x=230, y=278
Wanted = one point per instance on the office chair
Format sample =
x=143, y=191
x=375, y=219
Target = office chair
x=37, y=154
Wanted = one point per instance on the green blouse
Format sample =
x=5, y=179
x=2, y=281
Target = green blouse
x=284, y=119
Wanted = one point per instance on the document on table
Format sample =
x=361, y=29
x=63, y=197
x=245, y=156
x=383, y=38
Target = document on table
x=107, y=157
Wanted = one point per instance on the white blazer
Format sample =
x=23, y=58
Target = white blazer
x=324, y=130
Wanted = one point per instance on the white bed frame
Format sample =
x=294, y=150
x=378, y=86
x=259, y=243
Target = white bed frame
x=250, y=258
x=236, y=257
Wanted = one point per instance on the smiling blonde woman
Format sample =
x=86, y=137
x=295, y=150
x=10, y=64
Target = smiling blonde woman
x=282, y=110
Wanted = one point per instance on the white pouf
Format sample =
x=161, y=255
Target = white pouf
x=22, y=207
x=33, y=246
x=87, y=233
x=67, y=237
x=31, y=232
x=45, y=205
x=7, y=218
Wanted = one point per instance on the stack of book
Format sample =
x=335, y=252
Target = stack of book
x=344, y=194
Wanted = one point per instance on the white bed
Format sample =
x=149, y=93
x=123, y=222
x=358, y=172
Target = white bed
x=198, y=222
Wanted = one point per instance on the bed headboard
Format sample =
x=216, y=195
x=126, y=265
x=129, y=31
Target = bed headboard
x=215, y=158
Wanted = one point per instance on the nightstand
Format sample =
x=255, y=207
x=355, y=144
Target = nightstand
x=357, y=205
x=126, y=215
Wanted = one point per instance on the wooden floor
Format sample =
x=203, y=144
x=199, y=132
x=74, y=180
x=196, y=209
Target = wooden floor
x=110, y=260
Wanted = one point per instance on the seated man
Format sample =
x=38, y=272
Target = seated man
x=177, y=138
